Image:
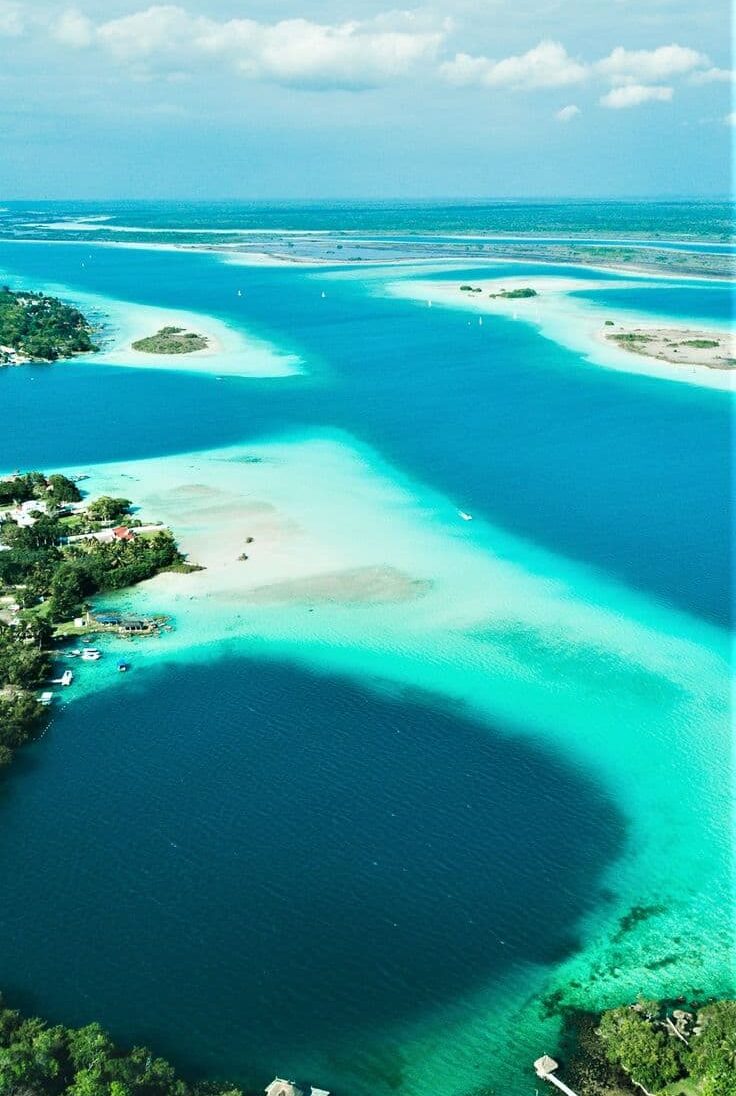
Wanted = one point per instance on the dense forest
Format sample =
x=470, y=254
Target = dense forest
x=41, y=328
x=654, y=1047
x=37, y=1059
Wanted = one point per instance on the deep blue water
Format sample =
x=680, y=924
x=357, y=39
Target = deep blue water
x=617, y=471
x=274, y=885
x=701, y=302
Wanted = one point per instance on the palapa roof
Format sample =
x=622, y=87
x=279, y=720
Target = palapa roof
x=280, y=1087
x=545, y=1065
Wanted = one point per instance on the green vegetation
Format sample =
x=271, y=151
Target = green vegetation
x=631, y=337
x=515, y=294
x=701, y=344
x=171, y=340
x=106, y=508
x=34, y=485
x=657, y=1048
x=470, y=289
x=39, y=328
x=37, y=1059
x=45, y=582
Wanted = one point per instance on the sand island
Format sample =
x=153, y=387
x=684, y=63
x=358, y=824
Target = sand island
x=679, y=345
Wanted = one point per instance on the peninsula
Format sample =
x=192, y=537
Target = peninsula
x=56, y=551
x=34, y=327
x=660, y=1048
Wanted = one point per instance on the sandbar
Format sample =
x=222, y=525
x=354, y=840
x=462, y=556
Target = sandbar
x=570, y=321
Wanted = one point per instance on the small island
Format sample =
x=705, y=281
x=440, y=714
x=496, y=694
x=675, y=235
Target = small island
x=57, y=550
x=520, y=294
x=172, y=340
x=38, y=328
x=681, y=346
x=515, y=294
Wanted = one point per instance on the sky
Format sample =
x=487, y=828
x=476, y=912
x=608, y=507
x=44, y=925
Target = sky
x=356, y=98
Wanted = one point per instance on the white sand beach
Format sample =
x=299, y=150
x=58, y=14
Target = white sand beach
x=229, y=351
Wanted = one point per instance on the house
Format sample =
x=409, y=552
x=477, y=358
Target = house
x=122, y=532
x=280, y=1087
x=24, y=514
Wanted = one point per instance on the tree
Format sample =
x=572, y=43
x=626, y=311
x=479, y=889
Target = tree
x=644, y=1051
x=66, y=592
x=106, y=508
x=62, y=489
x=713, y=1051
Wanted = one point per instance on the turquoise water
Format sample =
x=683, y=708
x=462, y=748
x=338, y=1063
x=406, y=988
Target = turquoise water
x=348, y=874
x=369, y=359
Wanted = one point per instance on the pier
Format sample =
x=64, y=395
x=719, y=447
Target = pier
x=545, y=1068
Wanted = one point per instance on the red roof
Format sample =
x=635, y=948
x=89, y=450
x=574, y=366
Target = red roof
x=122, y=532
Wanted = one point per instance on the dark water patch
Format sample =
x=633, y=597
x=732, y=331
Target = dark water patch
x=246, y=864
x=635, y=916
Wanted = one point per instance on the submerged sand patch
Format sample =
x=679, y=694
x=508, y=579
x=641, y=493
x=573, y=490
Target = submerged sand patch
x=374, y=585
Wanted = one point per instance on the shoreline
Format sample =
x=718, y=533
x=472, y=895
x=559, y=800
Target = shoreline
x=460, y=262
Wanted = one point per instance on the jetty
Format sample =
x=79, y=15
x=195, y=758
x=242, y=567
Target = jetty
x=545, y=1068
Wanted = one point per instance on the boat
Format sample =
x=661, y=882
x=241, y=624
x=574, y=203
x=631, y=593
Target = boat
x=91, y=654
x=123, y=667
x=465, y=516
x=45, y=699
x=67, y=677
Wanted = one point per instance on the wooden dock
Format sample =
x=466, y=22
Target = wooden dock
x=545, y=1068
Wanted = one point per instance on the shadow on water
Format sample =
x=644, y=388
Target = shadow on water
x=242, y=862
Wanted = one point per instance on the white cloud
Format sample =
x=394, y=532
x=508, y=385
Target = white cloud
x=567, y=113
x=355, y=54
x=11, y=19
x=640, y=66
x=74, y=29
x=632, y=95
x=547, y=65
x=713, y=76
